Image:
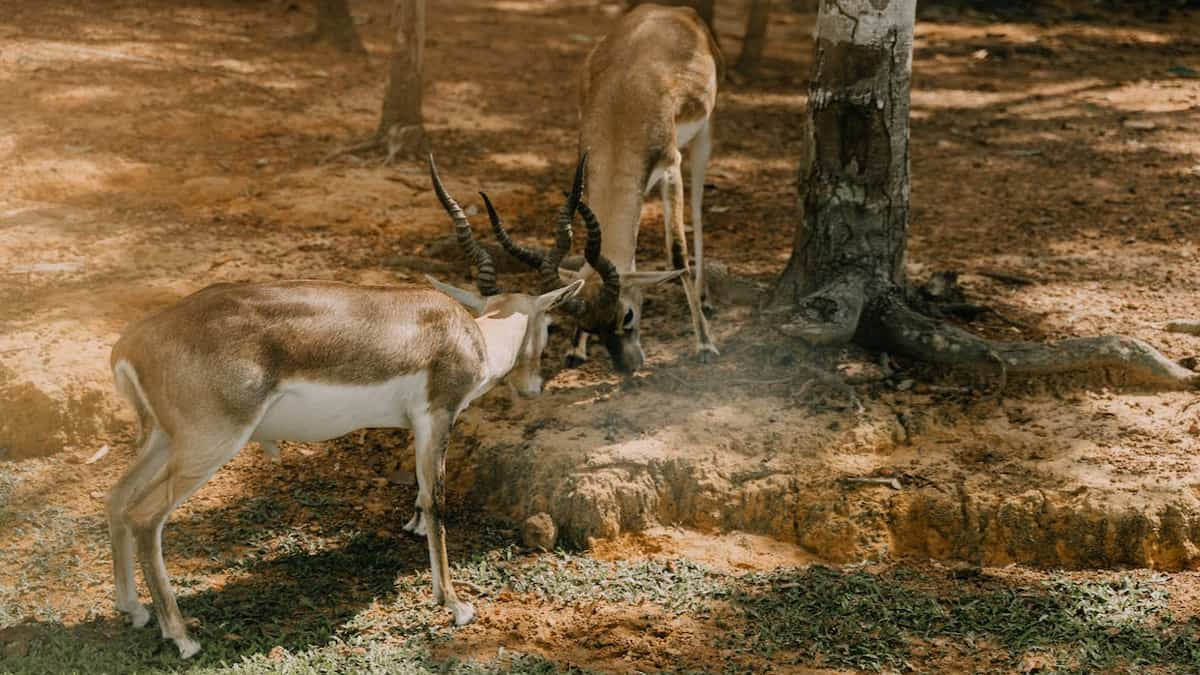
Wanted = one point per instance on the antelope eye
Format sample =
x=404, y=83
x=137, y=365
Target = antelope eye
x=628, y=318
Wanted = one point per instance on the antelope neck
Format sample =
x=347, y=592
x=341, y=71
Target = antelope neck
x=503, y=337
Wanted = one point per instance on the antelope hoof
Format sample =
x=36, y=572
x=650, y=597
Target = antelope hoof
x=139, y=617
x=187, y=647
x=416, y=525
x=464, y=613
x=575, y=360
x=707, y=354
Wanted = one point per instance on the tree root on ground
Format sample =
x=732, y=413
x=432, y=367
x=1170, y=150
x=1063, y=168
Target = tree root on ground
x=405, y=141
x=830, y=314
x=1183, y=326
x=884, y=321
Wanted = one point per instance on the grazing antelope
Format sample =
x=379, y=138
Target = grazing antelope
x=308, y=361
x=648, y=90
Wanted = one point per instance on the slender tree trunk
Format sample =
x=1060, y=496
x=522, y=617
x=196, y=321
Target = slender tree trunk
x=401, y=132
x=754, y=42
x=336, y=27
x=846, y=280
x=400, y=121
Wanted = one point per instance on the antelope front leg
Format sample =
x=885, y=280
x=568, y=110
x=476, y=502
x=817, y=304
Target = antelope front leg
x=578, y=354
x=672, y=198
x=431, y=433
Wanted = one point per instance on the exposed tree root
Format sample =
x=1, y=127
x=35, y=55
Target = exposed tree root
x=404, y=141
x=830, y=314
x=839, y=312
x=890, y=324
x=1183, y=326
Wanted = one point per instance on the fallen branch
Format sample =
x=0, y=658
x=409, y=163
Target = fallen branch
x=872, y=480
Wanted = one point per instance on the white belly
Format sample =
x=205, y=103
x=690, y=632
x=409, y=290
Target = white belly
x=315, y=411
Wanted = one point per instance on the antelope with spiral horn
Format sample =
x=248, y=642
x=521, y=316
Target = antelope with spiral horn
x=648, y=91
x=310, y=361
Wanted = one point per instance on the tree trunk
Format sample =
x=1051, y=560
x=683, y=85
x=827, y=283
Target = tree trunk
x=336, y=26
x=400, y=122
x=855, y=223
x=754, y=42
x=401, y=132
x=846, y=280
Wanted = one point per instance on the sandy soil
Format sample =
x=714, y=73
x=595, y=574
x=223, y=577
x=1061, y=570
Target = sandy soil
x=149, y=152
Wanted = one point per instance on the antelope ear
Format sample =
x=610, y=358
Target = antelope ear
x=467, y=299
x=548, y=301
x=643, y=279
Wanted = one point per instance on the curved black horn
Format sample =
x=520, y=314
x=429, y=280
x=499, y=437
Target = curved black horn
x=562, y=232
x=528, y=256
x=610, y=292
x=476, y=254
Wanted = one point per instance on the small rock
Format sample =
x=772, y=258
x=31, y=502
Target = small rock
x=538, y=532
x=905, y=385
x=99, y=455
x=261, y=162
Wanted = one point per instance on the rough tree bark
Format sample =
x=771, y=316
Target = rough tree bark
x=754, y=42
x=401, y=132
x=335, y=27
x=846, y=278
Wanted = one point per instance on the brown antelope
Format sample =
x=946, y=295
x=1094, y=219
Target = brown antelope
x=309, y=361
x=648, y=90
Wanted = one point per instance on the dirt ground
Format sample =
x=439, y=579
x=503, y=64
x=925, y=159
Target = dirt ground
x=149, y=151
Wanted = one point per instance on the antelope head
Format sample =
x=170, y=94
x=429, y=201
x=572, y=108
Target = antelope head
x=491, y=307
x=612, y=309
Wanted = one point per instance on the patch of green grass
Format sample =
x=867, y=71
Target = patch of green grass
x=8, y=485
x=677, y=585
x=58, y=650
x=860, y=620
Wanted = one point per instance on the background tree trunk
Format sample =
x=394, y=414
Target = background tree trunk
x=400, y=121
x=754, y=42
x=846, y=278
x=401, y=132
x=335, y=26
